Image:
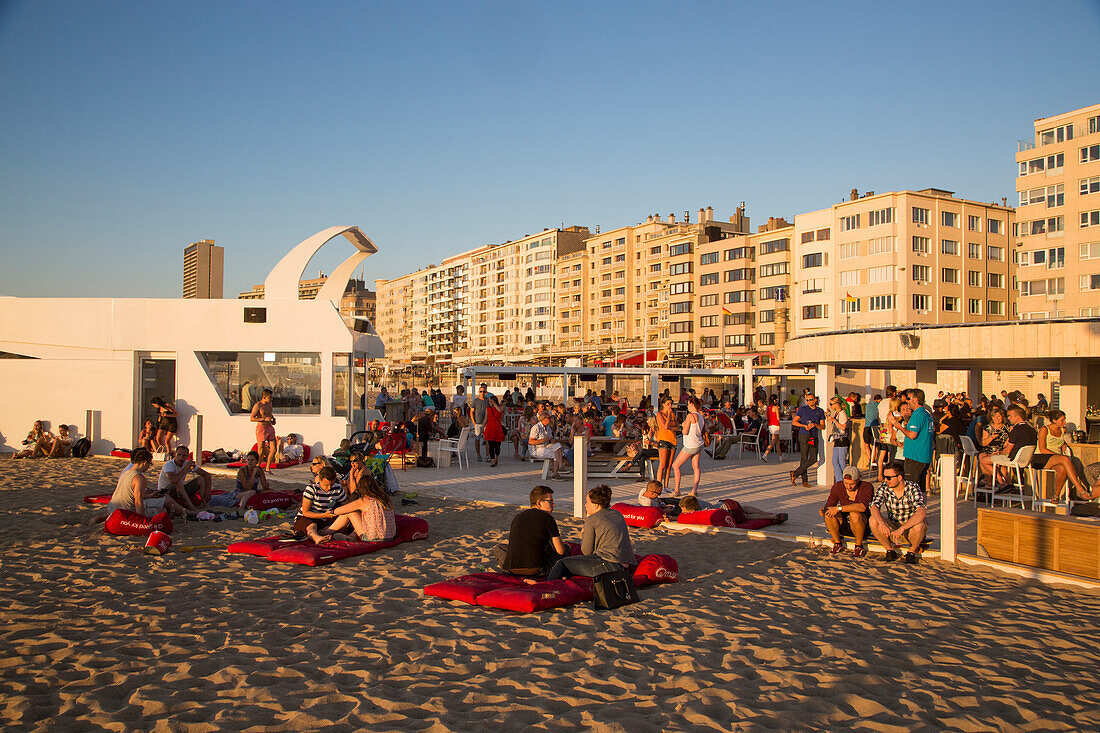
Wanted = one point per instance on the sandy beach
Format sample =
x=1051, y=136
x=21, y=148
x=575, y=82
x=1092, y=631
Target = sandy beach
x=758, y=635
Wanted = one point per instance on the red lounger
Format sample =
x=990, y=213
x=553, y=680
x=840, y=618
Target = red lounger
x=271, y=500
x=507, y=592
x=731, y=516
x=646, y=517
x=284, y=464
x=304, y=552
x=119, y=453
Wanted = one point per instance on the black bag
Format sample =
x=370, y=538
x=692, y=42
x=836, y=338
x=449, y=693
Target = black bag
x=220, y=456
x=612, y=589
x=425, y=462
x=81, y=448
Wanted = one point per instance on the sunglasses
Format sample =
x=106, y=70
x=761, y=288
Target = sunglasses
x=891, y=475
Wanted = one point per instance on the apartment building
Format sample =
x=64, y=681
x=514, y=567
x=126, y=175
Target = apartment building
x=203, y=269
x=356, y=301
x=1057, y=237
x=903, y=257
x=393, y=324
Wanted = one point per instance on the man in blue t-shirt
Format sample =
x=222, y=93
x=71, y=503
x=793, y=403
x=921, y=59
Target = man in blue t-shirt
x=609, y=421
x=808, y=422
x=918, y=439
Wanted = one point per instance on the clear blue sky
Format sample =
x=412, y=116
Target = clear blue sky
x=130, y=129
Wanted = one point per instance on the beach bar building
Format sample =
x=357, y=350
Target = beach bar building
x=96, y=363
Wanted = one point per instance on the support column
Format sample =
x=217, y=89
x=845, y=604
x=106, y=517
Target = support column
x=974, y=384
x=609, y=383
x=746, y=383
x=926, y=379
x=565, y=396
x=824, y=383
x=947, y=507
x=1071, y=392
x=654, y=388
x=580, y=474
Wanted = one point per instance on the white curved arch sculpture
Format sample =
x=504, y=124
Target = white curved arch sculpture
x=282, y=281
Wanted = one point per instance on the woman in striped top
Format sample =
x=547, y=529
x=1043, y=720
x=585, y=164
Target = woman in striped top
x=319, y=502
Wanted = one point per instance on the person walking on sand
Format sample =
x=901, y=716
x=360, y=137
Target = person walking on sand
x=693, y=446
x=264, y=418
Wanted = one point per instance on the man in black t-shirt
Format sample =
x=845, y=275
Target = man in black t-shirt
x=534, y=544
x=1020, y=433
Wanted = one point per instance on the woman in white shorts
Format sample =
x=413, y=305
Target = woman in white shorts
x=772, y=415
x=693, y=446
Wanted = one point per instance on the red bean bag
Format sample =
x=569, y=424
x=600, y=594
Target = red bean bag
x=707, y=517
x=469, y=587
x=271, y=500
x=654, y=569
x=284, y=464
x=120, y=453
x=260, y=548
x=640, y=516
x=123, y=522
x=735, y=511
x=97, y=499
x=539, y=597
x=756, y=523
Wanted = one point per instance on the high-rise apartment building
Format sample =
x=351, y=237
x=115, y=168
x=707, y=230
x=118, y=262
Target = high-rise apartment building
x=203, y=265
x=1057, y=235
x=356, y=301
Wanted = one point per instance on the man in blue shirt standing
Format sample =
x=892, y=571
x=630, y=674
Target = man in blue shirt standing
x=918, y=439
x=870, y=422
x=808, y=422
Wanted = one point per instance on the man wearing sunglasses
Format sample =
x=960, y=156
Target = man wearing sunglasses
x=898, y=515
x=534, y=543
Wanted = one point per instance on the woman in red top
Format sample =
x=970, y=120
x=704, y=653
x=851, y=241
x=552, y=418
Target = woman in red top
x=494, y=432
x=773, y=428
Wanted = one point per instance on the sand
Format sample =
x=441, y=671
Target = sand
x=759, y=635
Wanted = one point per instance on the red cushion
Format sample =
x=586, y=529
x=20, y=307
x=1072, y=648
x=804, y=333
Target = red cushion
x=123, y=522
x=756, y=523
x=538, y=597
x=469, y=587
x=640, y=516
x=410, y=528
x=735, y=511
x=656, y=569
x=260, y=548
x=571, y=549
x=271, y=500
x=119, y=453
x=97, y=499
x=307, y=553
x=708, y=517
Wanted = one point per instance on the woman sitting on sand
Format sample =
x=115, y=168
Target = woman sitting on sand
x=36, y=443
x=147, y=439
x=371, y=512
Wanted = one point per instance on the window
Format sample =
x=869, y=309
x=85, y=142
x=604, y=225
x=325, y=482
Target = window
x=620, y=258
x=679, y=347
x=1047, y=226
x=1090, y=153
x=922, y=303
x=1090, y=282
x=921, y=216
x=880, y=303
x=995, y=280
x=683, y=248
x=1053, y=286
x=849, y=277
x=767, y=316
x=879, y=245
x=849, y=306
x=738, y=253
x=817, y=259
x=1090, y=251
x=922, y=245
x=738, y=319
x=297, y=374
x=922, y=273
x=995, y=254
x=709, y=342
x=606, y=261
x=706, y=301
x=949, y=275
x=767, y=339
x=740, y=296
x=1090, y=218
x=680, y=268
x=779, y=268
x=680, y=288
x=683, y=306
x=655, y=250
x=1048, y=163
x=996, y=307
x=974, y=278
x=811, y=312
x=880, y=216
x=708, y=258
x=974, y=306
x=813, y=285
x=1090, y=185
x=775, y=245
x=738, y=339
x=974, y=251
x=1056, y=135
x=620, y=291
x=708, y=321
x=949, y=218
x=949, y=247
x=1050, y=195
x=973, y=223
x=771, y=293
x=620, y=241
x=823, y=235
x=744, y=273
x=807, y=237
x=681, y=327
x=710, y=278
x=849, y=222
x=849, y=251
x=994, y=226
x=881, y=274
x=1056, y=258
x=1094, y=125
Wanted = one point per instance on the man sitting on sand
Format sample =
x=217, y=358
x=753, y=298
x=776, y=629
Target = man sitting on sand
x=898, y=514
x=62, y=446
x=605, y=540
x=845, y=512
x=132, y=491
x=318, y=504
x=289, y=450
x=534, y=543
x=171, y=480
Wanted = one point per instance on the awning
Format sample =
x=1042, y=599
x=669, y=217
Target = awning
x=631, y=358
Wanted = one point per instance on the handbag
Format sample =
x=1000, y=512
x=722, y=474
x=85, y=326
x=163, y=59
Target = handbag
x=612, y=589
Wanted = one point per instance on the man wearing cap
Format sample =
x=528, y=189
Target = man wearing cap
x=846, y=510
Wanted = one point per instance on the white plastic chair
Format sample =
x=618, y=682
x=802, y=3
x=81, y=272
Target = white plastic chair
x=457, y=446
x=968, y=468
x=750, y=440
x=786, y=435
x=1021, y=461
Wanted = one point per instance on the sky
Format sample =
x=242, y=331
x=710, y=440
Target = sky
x=130, y=129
